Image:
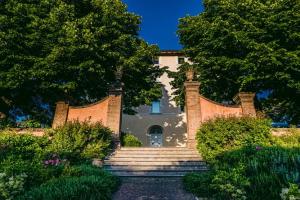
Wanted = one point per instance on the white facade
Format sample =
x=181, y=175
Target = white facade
x=163, y=124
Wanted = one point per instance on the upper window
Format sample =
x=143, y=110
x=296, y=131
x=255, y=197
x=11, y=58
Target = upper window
x=155, y=107
x=180, y=60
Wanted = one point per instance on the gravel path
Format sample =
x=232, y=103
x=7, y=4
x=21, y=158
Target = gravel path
x=141, y=188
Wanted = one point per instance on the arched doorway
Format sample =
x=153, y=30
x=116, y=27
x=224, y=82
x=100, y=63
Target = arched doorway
x=156, y=136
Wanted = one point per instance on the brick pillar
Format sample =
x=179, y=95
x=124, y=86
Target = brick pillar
x=246, y=99
x=114, y=113
x=193, y=111
x=61, y=114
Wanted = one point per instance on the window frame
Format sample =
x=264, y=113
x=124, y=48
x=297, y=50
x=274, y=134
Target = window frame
x=155, y=105
x=179, y=58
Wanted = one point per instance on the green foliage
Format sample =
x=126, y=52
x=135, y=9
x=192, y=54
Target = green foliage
x=48, y=176
x=198, y=184
x=83, y=170
x=252, y=165
x=70, y=50
x=291, y=139
x=230, y=184
x=29, y=123
x=249, y=45
x=223, y=134
x=6, y=123
x=129, y=140
x=10, y=187
x=84, y=187
x=23, y=154
x=293, y=192
x=22, y=146
x=80, y=141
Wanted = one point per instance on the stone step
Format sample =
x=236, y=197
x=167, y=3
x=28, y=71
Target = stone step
x=155, y=149
x=149, y=173
x=156, y=152
x=154, y=168
x=154, y=159
x=155, y=156
x=155, y=163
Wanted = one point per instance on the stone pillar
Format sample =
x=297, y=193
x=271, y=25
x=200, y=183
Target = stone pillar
x=61, y=114
x=246, y=99
x=193, y=111
x=114, y=113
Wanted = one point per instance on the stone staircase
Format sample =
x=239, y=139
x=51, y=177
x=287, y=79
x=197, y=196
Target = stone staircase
x=154, y=162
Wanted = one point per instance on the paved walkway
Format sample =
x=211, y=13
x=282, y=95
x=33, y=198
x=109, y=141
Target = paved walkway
x=140, y=188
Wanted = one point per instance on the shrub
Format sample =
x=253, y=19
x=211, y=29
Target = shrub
x=223, y=134
x=29, y=123
x=23, y=146
x=80, y=141
x=229, y=184
x=251, y=164
x=129, y=140
x=84, y=170
x=291, y=193
x=291, y=139
x=23, y=154
x=73, y=188
x=266, y=169
x=11, y=186
x=198, y=184
x=6, y=123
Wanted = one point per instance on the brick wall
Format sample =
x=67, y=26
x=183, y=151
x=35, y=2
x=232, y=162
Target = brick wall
x=211, y=109
x=107, y=111
x=200, y=109
x=96, y=112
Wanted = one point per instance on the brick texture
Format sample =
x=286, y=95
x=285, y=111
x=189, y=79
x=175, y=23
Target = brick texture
x=246, y=99
x=61, y=114
x=193, y=111
x=108, y=111
x=200, y=109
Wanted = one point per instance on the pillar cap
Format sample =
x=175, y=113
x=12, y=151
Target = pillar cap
x=237, y=98
x=61, y=102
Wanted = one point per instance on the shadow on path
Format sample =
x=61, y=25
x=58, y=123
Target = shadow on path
x=145, y=188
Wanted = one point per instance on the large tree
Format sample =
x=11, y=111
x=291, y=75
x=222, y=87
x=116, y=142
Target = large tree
x=69, y=50
x=246, y=45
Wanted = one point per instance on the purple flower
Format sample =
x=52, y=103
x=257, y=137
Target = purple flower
x=258, y=148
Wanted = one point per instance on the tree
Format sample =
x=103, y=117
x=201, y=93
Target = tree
x=246, y=45
x=69, y=50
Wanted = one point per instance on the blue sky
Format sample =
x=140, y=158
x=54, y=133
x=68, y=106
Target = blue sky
x=160, y=19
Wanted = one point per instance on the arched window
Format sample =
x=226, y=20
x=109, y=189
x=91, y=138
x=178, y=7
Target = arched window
x=155, y=130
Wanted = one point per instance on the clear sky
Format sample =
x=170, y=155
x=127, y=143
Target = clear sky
x=160, y=19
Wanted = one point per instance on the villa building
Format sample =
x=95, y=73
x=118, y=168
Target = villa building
x=163, y=123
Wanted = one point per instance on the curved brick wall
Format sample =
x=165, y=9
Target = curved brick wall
x=96, y=112
x=107, y=111
x=211, y=109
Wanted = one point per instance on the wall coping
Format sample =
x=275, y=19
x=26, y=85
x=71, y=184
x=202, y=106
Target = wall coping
x=220, y=104
x=89, y=105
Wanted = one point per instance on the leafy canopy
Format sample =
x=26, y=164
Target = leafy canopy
x=246, y=45
x=69, y=50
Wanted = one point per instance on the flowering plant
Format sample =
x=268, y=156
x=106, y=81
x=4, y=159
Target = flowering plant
x=54, y=160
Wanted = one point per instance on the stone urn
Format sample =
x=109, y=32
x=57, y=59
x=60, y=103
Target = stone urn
x=190, y=74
